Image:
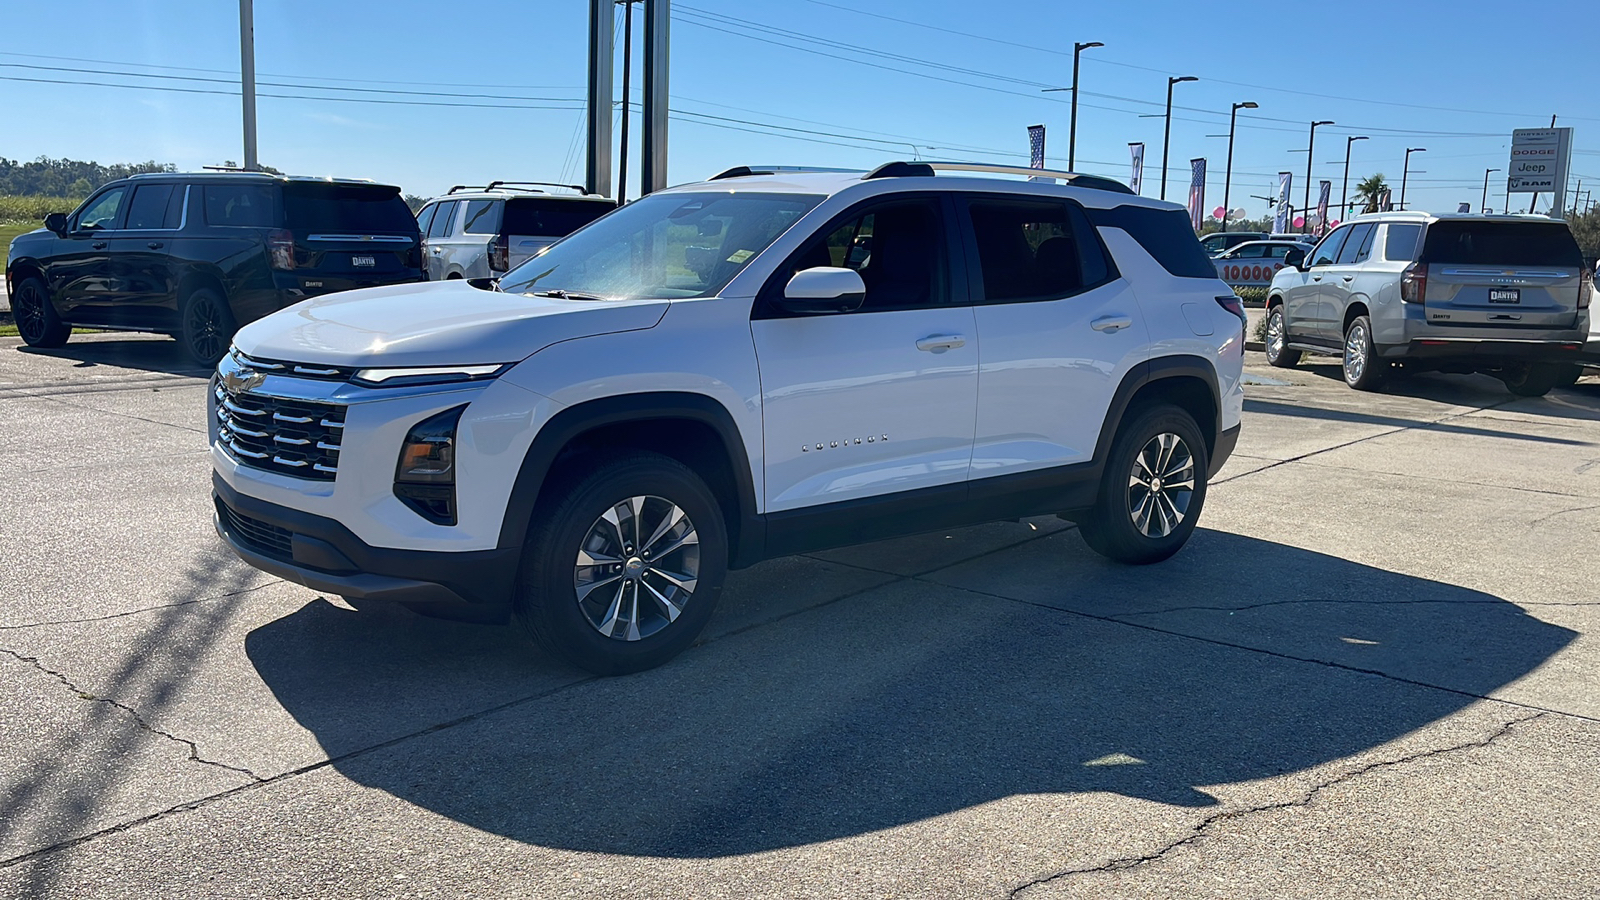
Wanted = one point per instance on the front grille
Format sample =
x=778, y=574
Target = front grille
x=291, y=437
x=313, y=371
x=259, y=535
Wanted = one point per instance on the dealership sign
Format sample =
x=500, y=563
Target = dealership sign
x=1539, y=160
x=1248, y=272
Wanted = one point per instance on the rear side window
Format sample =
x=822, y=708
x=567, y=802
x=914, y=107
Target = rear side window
x=1034, y=250
x=1253, y=251
x=355, y=209
x=1165, y=234
x=1359, y=235
x=1400, y=245
x=547, y=217
x=240, y=205
x=443, y=218
x=483, y=217
x=425, y=216
x=1501, y=244
x=149, y=206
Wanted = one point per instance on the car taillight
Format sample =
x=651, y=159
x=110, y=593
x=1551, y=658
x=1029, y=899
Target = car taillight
x=1585, y=288
x=500, y=253
x=414, y=257
x=1233, y=304
x=280, y=246
x=1414, y=283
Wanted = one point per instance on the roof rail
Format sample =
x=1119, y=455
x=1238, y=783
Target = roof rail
x=464, y=187
x=743, y=171
x=925, y=168
x=900, y=170
x=575, y=187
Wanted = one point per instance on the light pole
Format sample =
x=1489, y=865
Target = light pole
x=247, y=80
x=1406, y=171
x=1072, y=126
x=1227, y=180
x=1305, y=208
x=627, y=67
x=1166, y=138
x=1344, y=191
x=1484, y=203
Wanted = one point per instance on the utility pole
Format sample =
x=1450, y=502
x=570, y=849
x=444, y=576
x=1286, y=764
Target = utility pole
x=627, y=68
x=1227, y=180
x=1484, y=203
x=1344, y=191
x=1166, y=138
x=247, y=81
x=1406, y=171
x=1310, y=146
x=1072, y=126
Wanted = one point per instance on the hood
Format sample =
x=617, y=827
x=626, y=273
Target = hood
x=434, y=323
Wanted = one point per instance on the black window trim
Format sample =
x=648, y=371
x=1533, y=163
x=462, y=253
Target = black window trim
x=766, y=306
x=122, y=210
x=974, y=265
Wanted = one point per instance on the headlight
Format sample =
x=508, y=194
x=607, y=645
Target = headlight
x=425, y=477
x=428, y=375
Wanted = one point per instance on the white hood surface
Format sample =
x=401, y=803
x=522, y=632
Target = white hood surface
x=434, y=323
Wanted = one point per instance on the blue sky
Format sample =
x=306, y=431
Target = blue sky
x=964, y=83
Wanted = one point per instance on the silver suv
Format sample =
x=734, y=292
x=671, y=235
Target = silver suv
x=486, y=232
x=1505, y=295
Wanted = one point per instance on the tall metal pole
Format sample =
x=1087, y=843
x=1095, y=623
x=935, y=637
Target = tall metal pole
x=1344, y=191
x=1072, y=127
x=1405, y=172
x=653, y=148
x=1484, y=203
x=602, y=59
x=1305, y=208
x=1166, y=137
x=1227, y=180
x=627, y=68
x=247, y=79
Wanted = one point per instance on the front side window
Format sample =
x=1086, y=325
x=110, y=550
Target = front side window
x=103, y=211
x=1033, y=250
x=443, y=219
x=240, y=205
x=669, y=245
x=898, y=247
x=149, y=206
x=425, y=217
x=1328, y=250
x=483, y=217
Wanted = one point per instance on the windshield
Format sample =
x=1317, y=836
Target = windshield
x=669, y=246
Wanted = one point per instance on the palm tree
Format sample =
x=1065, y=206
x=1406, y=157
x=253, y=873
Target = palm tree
x=1369, y=193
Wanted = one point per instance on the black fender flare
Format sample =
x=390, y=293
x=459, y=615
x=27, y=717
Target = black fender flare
x=1150, y=372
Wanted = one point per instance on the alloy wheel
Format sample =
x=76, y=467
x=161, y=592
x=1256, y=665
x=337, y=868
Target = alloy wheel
x=1275, y=334
x=1355, y=353
x=207, y=338
x=1161, y=485
x=637, y=568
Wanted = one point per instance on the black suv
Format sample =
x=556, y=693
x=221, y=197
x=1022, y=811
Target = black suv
x=197, y=255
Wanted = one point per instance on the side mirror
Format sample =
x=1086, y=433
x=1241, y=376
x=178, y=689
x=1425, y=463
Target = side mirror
x=56, y=222
x=824, y=290
x=1294, y=259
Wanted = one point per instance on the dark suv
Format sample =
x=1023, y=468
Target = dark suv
x=197, y=255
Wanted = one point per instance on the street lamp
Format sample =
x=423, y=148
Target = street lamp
x=1484, y=203
x=1344, y=190
x=1166, y=139
x=1405, y=171
x=1227, y=180
x=1305, y=208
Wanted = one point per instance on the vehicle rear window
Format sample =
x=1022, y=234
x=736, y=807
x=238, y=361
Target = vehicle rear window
x=240, y=205
x=1165, y=234
x=1501, y=244
x=346, y=209
x=548, y=217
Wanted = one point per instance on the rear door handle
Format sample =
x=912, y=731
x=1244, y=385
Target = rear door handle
x=1109, y=324
x=98, y=245
x=1316, y=278
x=155, y=245
x=1349, y=278
x=938, y=343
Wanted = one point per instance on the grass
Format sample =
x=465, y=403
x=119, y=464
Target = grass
x=11, y=228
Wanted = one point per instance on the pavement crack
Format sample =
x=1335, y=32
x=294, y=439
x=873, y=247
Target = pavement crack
x=144, y=609
x=1200, y=829
x=194, y=751
x=1339, y=602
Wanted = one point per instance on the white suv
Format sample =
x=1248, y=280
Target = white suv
x=483, y=233
x=768, y=363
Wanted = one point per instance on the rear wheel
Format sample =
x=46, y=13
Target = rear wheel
x=36, y=317
x=1534, y=379
x=623, y=567
x=1364, y=370
x=1277, y=349
x=207, y=326
x=1153, y=488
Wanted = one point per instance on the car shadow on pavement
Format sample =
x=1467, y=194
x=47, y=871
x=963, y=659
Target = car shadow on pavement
x=919, y=699
x=1479, y=390
x=1302, y=411
x=124, y=352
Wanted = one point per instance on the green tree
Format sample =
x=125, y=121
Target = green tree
x=413, y=201
x=1586, y=228
x=1369, y=193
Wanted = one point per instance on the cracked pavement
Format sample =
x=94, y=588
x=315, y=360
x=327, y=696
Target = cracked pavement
x=1372, y=673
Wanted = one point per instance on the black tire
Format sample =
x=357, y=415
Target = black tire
x=208, y=326
x=1111, y=528
x=1284, y=357
x=1363, y=369
x=548, y=605
x=1534, y=379
x=36, y=318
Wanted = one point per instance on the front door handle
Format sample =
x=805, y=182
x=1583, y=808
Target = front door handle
x=1109, y=324
x=1316, y=278
x=155, y=245
x=1349, y=278
x=98, y=245
x=938, y=343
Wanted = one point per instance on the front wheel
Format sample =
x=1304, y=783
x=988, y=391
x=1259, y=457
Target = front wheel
x=1364, y=370
x=37, y=322
x=1534, y=379
x=1277, y=349
x=623, y=567
x=207, y=326
x=1153, y=488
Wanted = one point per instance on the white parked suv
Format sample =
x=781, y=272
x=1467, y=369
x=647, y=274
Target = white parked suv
x=768, y=363
x=485, y=232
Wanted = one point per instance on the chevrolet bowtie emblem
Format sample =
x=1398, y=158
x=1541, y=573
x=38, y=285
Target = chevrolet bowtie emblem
x=241, y=380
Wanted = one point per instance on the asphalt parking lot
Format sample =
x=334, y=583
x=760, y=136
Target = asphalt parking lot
x=1372, y=673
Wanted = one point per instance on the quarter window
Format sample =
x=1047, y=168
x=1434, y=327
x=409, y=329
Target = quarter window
x=1400, y=244
x=483, y=217
x=149, y=206
x=103, y=212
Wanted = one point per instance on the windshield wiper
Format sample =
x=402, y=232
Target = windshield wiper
x=560, y=294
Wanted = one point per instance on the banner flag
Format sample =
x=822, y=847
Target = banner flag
x=1323, y=191
x=1280, y=221
x=1386, y=201
x=1036, y=151
x=1137, y=181
x=1464, y=207
x=1197, y=192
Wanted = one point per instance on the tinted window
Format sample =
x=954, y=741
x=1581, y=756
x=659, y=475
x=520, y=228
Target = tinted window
x=104, y=211
x=1401, y=243
x=1029, y=250
x=1328, y=250
x=148, y=208
x=248, y=205
x=346, y=209
x=535, y=217
x=1277, y=251
x=483, y=217
x=1501, y=244
x=1359, y=235
x=1248, y=251
x=1365, y=253
x=1097, y=267
x=1165, y=234
x=425, y=215
x=899, y=249
x=443, y=219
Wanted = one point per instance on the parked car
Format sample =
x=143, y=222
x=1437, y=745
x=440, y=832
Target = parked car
x=1505, y=295
x=196, y=255
x=1293, y=236
x=485, y=232
x=588, y=444
x=1222, y=240
x=1276, y=250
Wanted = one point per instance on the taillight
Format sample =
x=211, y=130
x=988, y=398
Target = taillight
x=280, y=246
x=1585, y=288
x=1414, y=283
x=1233, y=304
x=414, y=257
x=500, y=253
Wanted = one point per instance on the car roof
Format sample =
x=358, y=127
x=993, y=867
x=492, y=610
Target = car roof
x=252, y=176
x=1267, y=241
x=1425, y=217
x=499, y=194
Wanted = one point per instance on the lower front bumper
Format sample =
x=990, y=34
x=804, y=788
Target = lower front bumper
x=325, y=556
x=1226, y=441
x=1482, y=351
